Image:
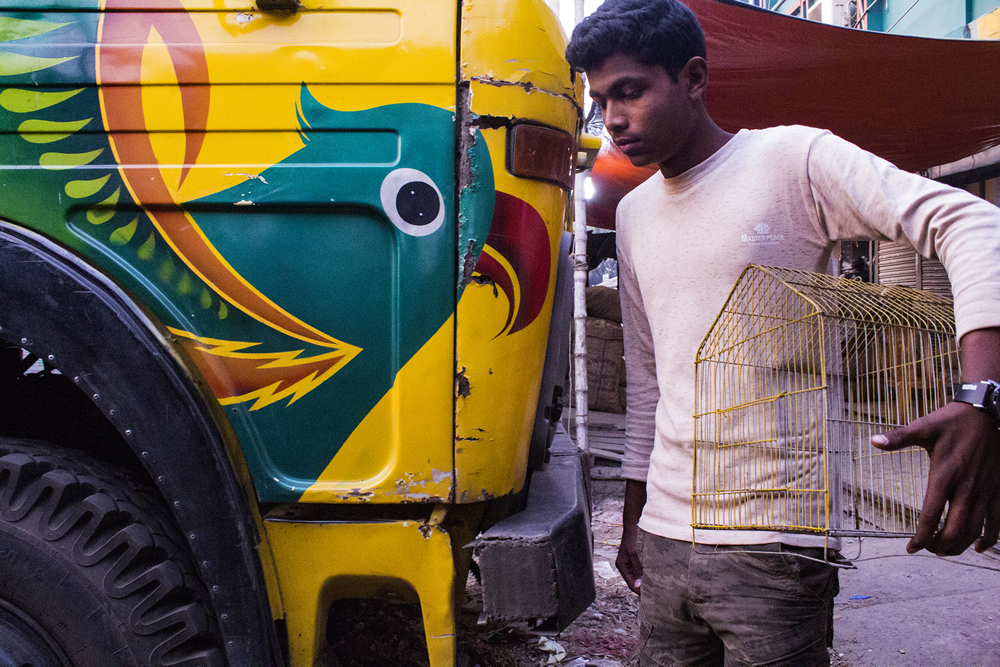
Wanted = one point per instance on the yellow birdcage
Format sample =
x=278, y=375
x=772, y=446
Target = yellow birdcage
x=797, y=373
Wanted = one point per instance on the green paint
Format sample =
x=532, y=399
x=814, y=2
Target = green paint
x=16, y=100
x=123, y=235
x=147, y=248
x=12, y=64
x=206, y=299
x=84, y=189
x=68, y=160
x=184, y=285
x=166, y=270
x=223, y=311
x=46, y=131
x=105, y=210
x=11, y=29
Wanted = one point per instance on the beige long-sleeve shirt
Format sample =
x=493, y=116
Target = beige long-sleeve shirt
x=778, y=197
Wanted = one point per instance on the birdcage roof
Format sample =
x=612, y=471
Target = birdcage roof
x=843, y=298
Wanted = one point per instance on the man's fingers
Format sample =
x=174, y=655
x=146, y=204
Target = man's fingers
x=929, y=519
x=630, y=567
x=963, y=524
x=991, y=533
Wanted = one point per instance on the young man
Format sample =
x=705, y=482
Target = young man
x=756, y=597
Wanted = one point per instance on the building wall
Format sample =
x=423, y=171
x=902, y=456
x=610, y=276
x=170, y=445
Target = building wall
x=956, y=19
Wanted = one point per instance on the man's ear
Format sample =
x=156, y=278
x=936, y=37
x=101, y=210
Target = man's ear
x=696, y=74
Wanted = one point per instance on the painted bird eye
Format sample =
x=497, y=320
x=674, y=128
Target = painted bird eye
x=412, y=201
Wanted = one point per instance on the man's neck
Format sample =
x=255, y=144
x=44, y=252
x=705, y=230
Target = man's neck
x=704, y=143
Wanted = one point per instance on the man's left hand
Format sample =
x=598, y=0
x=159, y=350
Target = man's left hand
x=963, y=444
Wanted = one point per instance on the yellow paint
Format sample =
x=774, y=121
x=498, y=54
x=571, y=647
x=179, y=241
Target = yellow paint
x=402, y=451
x=161, y=98
x=373, y=53
x=515, y=102
x=516, y=42
x=516, y=295
x=320, y=562
x=271, y=394
x=504, y=42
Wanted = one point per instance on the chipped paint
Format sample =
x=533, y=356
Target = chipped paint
x=248, y=177
x=528, y=86
x=357, y=494
x=469, y=262
x=486, y=280
x=462, y=386
x=434, y=522
x=490, y=122
x=243, y=202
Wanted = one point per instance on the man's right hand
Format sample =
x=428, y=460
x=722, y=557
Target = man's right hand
x=628, y=562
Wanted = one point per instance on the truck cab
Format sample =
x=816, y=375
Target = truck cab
x=283, y=289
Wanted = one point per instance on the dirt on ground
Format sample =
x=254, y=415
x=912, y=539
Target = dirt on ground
x=602, y=636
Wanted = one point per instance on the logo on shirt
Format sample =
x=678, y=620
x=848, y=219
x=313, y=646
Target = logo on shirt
x=762, y=236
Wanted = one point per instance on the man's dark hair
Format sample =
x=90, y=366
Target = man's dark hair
x=654, y=32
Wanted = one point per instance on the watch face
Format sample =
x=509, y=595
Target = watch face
x=992, y=406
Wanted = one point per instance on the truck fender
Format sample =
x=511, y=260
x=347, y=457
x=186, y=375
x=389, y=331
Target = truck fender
x=57, y=306
x=552, y=392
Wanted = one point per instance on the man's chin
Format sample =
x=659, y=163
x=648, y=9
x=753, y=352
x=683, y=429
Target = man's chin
x=639, y=160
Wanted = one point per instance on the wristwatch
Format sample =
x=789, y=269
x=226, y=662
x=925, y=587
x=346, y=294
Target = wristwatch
x=983, y=395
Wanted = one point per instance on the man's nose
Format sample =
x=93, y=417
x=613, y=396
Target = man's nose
x=614, y=117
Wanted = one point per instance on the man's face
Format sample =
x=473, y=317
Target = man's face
x=648, y=116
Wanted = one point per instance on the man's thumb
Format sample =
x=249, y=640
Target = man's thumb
x=920, y=432
x=890, y=441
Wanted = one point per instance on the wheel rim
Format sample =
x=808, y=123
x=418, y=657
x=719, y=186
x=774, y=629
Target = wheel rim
x=23, y=642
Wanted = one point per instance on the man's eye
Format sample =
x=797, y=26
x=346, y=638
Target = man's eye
x=632, y=94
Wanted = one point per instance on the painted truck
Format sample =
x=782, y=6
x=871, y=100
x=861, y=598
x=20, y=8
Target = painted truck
x=283, y=316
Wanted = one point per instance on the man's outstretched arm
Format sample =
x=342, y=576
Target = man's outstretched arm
x=964, y=448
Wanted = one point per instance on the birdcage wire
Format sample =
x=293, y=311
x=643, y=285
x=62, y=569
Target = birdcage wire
x=796, y=374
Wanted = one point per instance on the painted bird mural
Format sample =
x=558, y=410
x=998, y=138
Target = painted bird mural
x=331, y=268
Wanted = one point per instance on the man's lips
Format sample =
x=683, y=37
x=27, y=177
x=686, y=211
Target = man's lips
x=625, y=144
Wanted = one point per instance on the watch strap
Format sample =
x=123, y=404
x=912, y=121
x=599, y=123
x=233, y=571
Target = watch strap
x=979, y=394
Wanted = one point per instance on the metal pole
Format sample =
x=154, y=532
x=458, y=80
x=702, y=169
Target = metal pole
x=580, y=274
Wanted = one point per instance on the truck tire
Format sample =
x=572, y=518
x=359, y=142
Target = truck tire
x=92, y=573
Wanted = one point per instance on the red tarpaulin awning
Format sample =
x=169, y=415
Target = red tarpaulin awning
x=914, y=101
